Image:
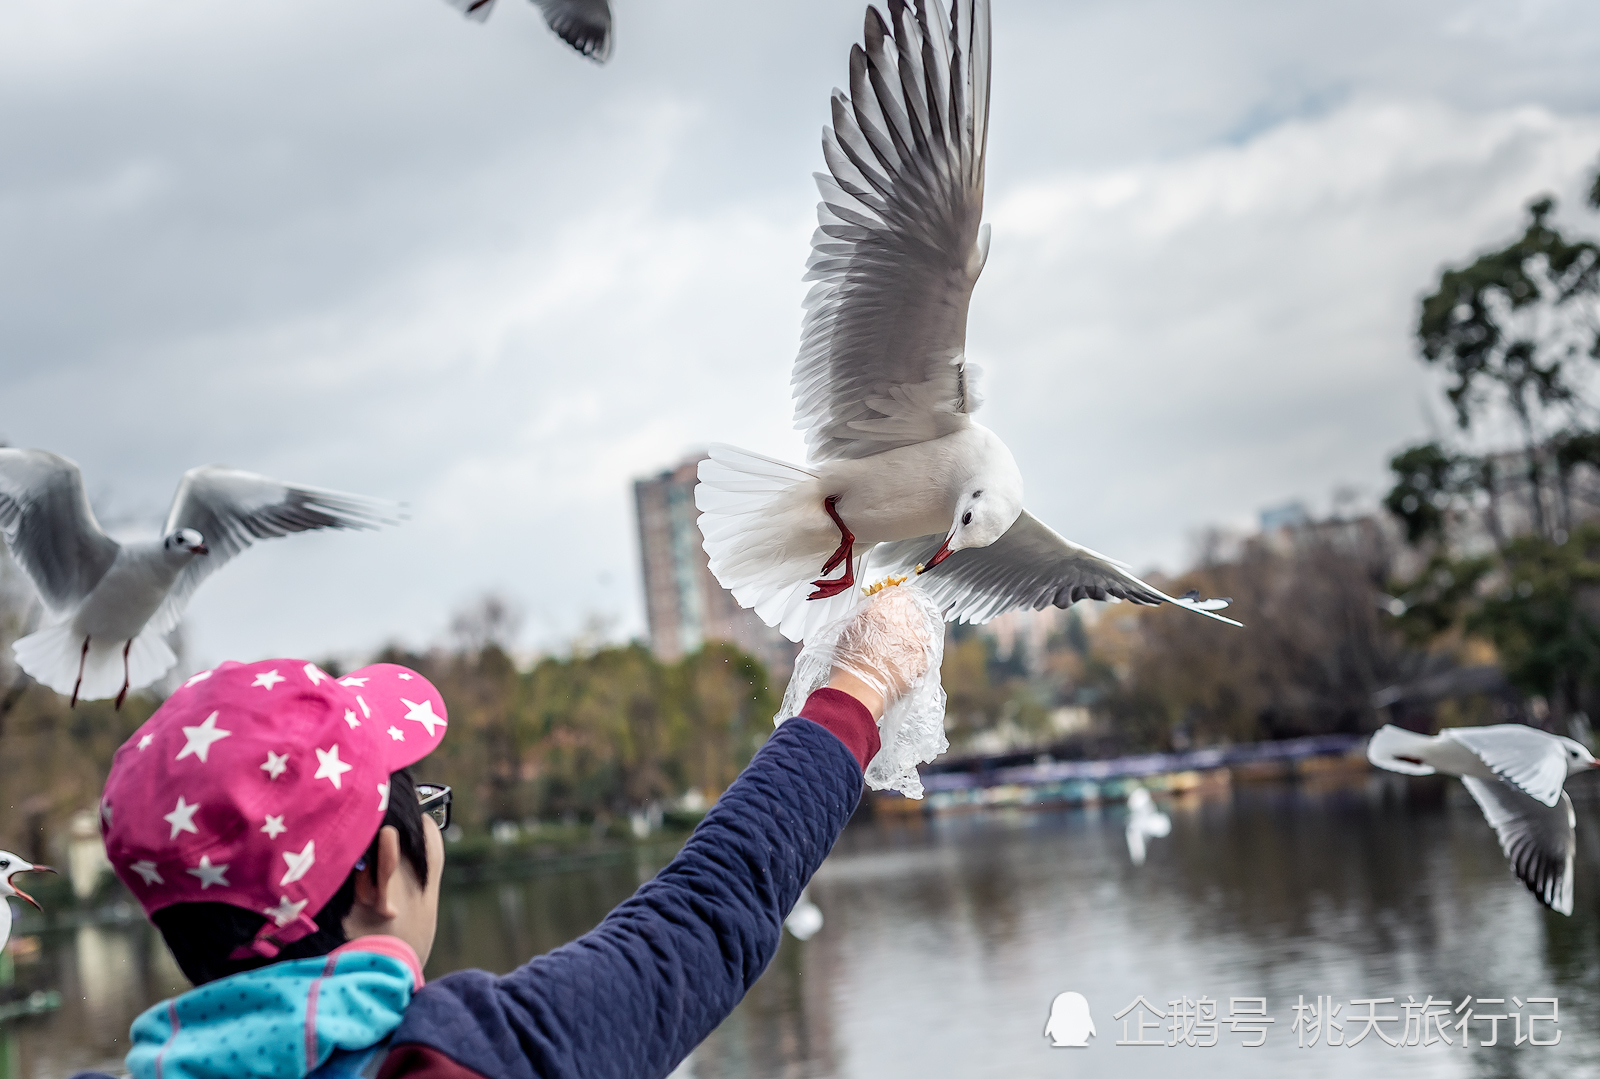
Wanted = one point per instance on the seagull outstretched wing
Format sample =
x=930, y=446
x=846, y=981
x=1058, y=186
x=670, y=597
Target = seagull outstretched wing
x=1538, y=839
x=49, y=527
x=1030, y=567
x=898, y=246
x=1528, y=759
x=583, y=24
x=233, y=509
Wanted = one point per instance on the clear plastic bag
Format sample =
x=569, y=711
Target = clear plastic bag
x=895, y=643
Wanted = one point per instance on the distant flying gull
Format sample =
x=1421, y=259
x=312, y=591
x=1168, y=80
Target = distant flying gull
x=583, y=24
x=10, y=865
x=1515, y=774
x=899, y=473
x=805, y=919
x=1145, y=821
x=116, y=602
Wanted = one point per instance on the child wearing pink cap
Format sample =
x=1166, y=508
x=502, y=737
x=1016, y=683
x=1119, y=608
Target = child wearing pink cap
x=267, y=820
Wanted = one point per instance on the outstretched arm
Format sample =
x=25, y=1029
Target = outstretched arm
x=632, y=997
x=637, y=993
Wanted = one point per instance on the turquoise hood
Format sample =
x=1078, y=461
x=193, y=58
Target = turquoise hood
x=282, y=1021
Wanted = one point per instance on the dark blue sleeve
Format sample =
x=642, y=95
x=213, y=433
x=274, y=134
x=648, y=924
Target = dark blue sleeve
x=633, y=996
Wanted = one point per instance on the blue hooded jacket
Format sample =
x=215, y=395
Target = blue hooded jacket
x=629, y=999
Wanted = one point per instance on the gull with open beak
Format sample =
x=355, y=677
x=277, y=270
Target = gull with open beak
x=10, y=865
x=901, y=479
x=114, y=603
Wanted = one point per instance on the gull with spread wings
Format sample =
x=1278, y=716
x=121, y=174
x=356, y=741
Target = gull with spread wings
x=115, y=603
x=583, y=24
x=901, y=480
x=1517, y=775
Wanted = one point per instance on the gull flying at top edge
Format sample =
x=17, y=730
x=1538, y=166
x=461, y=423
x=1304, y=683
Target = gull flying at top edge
x=900, y=476
x=583, y=24
x=114, y=603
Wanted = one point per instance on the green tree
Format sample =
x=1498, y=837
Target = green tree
x=1506, y=325
x=1506, y=329
x=1514, y=330
x=1544, y=616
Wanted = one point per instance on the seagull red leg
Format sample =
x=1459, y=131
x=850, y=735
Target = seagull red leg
x=844, y=553
x=126, y=677
x=83, y=657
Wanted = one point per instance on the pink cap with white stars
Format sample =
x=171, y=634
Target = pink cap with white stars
x=261, y=785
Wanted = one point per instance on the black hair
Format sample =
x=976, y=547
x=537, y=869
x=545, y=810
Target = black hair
x=201, y=936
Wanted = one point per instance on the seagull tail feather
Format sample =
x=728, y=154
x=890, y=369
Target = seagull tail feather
x=1399, y=750
x=767, y=537
x=51, y=657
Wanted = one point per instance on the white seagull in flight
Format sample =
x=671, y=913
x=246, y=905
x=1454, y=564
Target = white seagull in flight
x=1516, y=774
x=901, y=480
x=1145, y=821
x=583, y=24
x=114, y=603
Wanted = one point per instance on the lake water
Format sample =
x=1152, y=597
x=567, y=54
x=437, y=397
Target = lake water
x=946, y=940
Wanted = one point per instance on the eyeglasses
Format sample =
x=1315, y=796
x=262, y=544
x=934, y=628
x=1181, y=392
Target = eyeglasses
x=435, y=802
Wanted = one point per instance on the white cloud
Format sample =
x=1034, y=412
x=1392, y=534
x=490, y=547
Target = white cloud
x=1181, y=343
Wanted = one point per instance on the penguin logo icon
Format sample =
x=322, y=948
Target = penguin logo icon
x=1070, y=1025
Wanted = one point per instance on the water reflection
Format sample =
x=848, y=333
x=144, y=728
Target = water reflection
x=946, y=940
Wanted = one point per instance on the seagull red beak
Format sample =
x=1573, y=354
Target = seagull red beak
x=940, y=555
x=24, y=895
x=202, y=549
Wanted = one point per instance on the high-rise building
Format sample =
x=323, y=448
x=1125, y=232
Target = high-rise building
x=684, y=603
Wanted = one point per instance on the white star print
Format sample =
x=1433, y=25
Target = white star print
x=275, y=764
x=352, y=681
x=268, y=679
x=383, y=797
x=146, y=740
x=365, y=711
x=330, y=767
x=299, y=863
x=350, y=718
x=285, y=912
x=209, y=874
x=405, y=677
x=201, y=677
x=313, y=674
x=397, y=734
x=105, y=812
x=147, y=869
x=182, y=818
x=198, y=740
x=423, y=714
x=274, y=826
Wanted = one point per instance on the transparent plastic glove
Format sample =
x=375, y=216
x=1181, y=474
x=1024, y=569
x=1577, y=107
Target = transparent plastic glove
x=894, y=643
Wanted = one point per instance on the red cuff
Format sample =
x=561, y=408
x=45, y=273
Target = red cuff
x=847, y=719
x=422, y=1062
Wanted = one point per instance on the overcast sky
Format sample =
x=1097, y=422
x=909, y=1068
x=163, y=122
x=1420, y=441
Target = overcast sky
x=376, y=247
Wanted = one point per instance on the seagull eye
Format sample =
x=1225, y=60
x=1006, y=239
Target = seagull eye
x=967, y=518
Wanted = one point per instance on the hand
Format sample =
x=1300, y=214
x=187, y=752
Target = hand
x=882, y=650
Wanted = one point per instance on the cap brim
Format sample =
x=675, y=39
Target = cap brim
x=407, y=707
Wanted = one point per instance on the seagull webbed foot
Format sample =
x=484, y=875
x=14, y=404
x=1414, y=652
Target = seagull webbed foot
x=844, y=553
